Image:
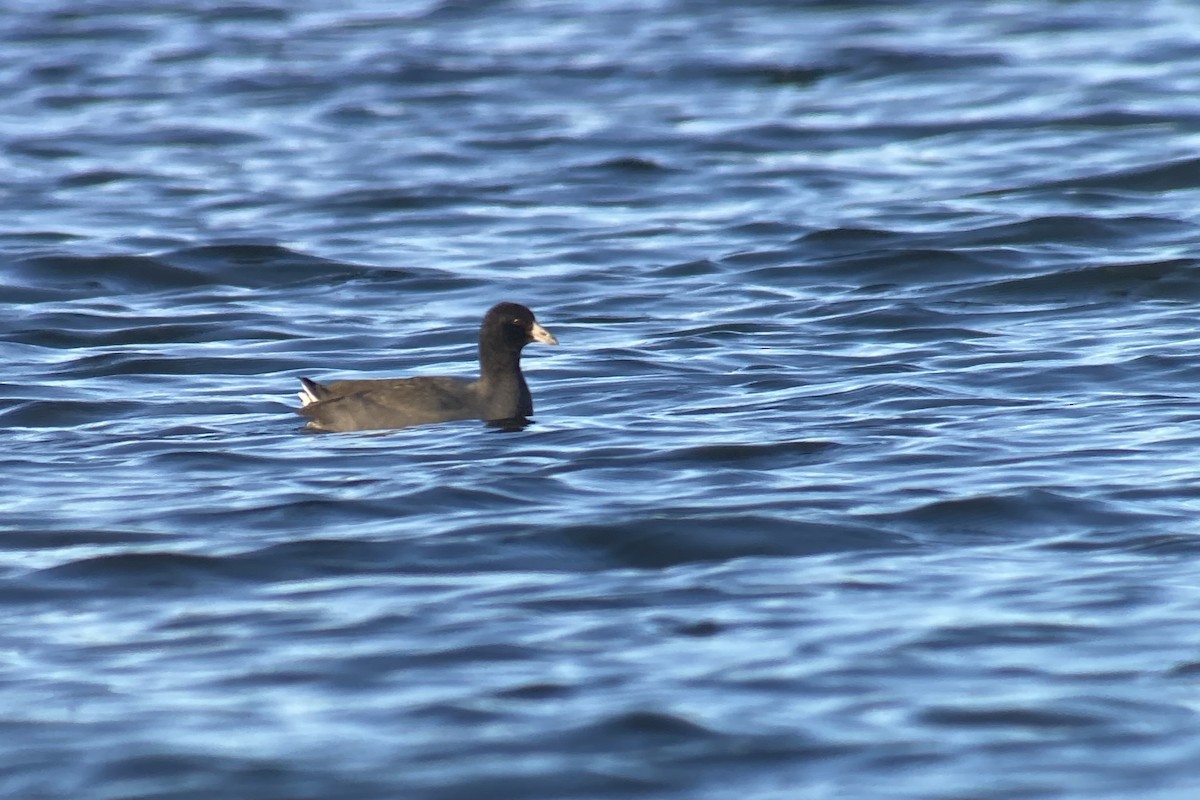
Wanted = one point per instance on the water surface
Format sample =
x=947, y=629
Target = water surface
x=867, y=465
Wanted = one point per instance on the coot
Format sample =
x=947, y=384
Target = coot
x=499, y=395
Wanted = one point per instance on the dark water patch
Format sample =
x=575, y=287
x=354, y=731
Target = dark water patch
x=83, y=101
x=257, y=265
x=1004, y=515
x=179, y=136
x=12, y=392
x=71, y=29
x=43, y=278
x=761, y=138
x=581, y=782
x=770, y=74
x=137, y=364
x=161, y=771
x=71, y=331
x=474, y=548
x=918, y=267
x=448, y=652
x=640, y=729
x=159, y=571
x=1120, y=118
x=16, y=241
x=1173, y=370
x=244, y=12
x=622, y=166
x=146, y=571
x=847, y=241
x=1180, y=175
x=656, y=542
x=1013, y=717
x=53, y=277
x=97, y=177
x=189, y=455
x=323, y=557
x=480, y=499
x=999, y=246
x=516, y=137
x=678, y=753
x=768, y=230
x=1177, y=544
x=190, y=432
x=52, y=539
x=535, y=692
x=1172, y=279
x=44, y=149
x=1080, y=230
x=900, y=320
x=886, y=62
x=417, y=198
x=955, y=638
x=759, y=455
x=65, y=413
x=278, y=88
x=304, y=513
x=698, y=628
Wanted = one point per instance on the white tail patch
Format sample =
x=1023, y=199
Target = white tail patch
x=307, y=398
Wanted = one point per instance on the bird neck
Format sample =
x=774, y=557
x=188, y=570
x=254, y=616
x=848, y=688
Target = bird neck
x=498, y=363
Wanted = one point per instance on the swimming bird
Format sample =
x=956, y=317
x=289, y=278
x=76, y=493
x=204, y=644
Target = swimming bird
x=499, y=394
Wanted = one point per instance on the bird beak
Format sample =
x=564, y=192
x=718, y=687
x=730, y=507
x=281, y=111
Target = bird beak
x=540, y=334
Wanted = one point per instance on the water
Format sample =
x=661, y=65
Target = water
x=867, y=465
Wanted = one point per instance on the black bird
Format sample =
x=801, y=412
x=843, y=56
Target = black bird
x=500, y=394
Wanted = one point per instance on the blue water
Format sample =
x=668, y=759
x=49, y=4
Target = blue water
x=867, y=466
